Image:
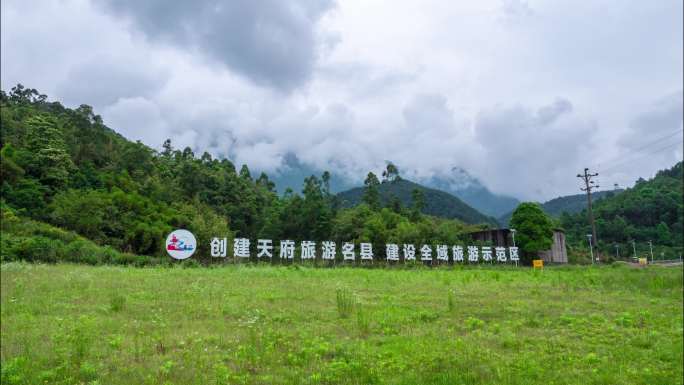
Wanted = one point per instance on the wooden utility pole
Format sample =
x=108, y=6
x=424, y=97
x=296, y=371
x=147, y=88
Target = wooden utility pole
x=588, y=186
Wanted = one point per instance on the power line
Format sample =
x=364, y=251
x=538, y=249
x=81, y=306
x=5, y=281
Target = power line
x=612, y=162
x=638, y=157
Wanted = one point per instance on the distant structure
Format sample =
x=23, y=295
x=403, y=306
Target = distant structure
x=502, y=237
x=497, y=237
x=558, y=252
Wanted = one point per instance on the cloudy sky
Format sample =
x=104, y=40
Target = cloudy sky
x=521, y=94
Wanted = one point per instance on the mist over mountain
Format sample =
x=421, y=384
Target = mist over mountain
x=469, y=189
x=292, y=173
x=458, y=183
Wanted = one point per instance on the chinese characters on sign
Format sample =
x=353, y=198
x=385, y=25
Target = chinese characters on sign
x=327, y=250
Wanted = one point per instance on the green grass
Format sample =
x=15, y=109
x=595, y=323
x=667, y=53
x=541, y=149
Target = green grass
x=71, y=324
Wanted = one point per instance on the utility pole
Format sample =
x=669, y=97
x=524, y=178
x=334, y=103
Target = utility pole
x=634, y=248
x=588, y=186
x=591, y=249
x=617, y=251
x=650, y=245
x=513, y=234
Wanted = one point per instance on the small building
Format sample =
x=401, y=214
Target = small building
x=503, y=237
x=497, y=237
x=558, y=252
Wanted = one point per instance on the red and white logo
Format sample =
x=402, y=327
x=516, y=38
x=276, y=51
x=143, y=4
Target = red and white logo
x=181, y=244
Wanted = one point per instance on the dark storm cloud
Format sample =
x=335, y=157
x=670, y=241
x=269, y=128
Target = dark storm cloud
x=271, y=42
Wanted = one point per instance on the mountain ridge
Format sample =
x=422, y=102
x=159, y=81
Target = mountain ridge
x=437, y=202
x=567, y=203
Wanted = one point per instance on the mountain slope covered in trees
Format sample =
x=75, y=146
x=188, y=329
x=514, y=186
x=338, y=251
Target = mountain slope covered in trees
x=66, y=168
x=437, y=203
x=652, y=210
x=569, y=203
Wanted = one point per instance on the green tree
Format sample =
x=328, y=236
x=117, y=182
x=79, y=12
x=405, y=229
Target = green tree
x=51, y=161
x=326, y=182
x=244, y=173
x=664, y=235
x=417, y=203
x=391, y=173
x=395, y=204
x=9, y=170
x=534, y=230
x=371, y=194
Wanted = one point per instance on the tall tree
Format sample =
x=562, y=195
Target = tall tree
x=371, y=194
x=391, y=173
x=51, y=161
x=326, y=182
x=244, y=173
x=417, y=203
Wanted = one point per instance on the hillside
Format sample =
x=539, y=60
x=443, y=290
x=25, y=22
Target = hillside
x=570, y=204
x=437, y=203
x=65, y=169
x=652, y=210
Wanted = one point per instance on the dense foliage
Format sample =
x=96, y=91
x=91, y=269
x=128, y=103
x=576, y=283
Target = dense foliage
x=534, y=229
x=65, y=167
x=650, y=211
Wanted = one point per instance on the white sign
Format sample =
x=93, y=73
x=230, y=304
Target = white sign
x=181, y=244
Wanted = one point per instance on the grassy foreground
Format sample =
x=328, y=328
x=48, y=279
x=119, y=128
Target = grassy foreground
x=261, y=325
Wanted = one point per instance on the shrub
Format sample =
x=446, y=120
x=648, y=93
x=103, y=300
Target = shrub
x=37, y=249
x=82, y=251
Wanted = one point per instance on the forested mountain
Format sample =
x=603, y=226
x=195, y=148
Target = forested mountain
x=650, y=211
x=458, y=183
x=65, y=167
x=569, y=203
x=437, y=203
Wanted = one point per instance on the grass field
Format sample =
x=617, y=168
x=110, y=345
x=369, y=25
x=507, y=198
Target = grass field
x=276, y=325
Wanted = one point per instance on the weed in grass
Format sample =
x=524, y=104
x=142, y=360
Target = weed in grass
x=117, y=302
x=362, y=321
x=473, y=323
x=88, y=372
x=80, y=340
x=115, y=342
x=345, y=302
x=450, y=300
x=426, y=316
